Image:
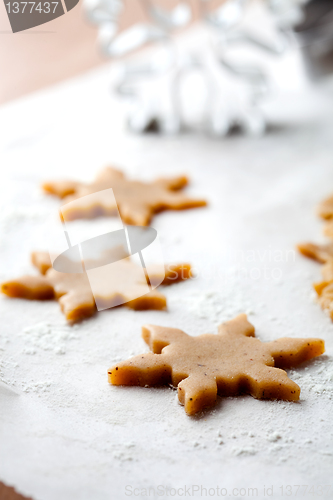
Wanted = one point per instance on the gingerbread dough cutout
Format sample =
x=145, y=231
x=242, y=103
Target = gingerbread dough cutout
x=325, y=208
x=324, y=288
x=137, y=201
x=227, y=364
x=324, y=291
x=324, y=255
x=320, y=253
x=73, y=291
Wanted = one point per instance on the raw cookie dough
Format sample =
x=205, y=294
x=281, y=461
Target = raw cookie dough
x=328, y=229
x=229, y=363
x=325, y=208
x=137, y=201
x=324, y=290
x=320, y=253
x=73, y=291
x=324, y=255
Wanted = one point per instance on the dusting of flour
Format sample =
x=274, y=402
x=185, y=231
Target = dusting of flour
x=48, y=337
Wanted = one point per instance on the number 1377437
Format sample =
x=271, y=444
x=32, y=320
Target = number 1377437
x=30, y=7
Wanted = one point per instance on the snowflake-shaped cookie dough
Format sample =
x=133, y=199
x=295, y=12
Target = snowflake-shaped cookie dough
x=325, y=208
x=137, y=200
x=320, y=253
x=73, y=290
x=323, y=254
x=229, y=363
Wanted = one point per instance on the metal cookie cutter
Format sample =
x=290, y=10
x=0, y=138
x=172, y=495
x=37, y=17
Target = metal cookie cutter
x=152, y=87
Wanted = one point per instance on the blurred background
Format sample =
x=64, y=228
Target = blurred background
x=67, y=46
x=63, y=48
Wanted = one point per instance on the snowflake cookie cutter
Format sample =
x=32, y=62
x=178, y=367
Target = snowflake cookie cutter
x=151, y=87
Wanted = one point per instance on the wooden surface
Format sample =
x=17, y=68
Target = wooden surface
x=44, y=55
x=47, y=54
x=9, y=493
